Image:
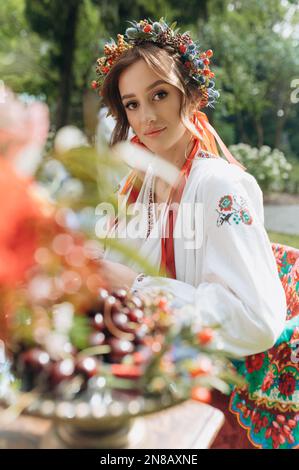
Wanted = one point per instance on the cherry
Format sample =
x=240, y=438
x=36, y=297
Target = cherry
x=125, y=310
x=120, y=347
x=98, y=322
x=120, y=294
x=88, y=366
x=102, y=297
x=137, y=302
x=113, y=303
x=97, y=339
x=31, y=366
x=121, y=321
x=36, y=359
x=62, y=370
x=102, y=293
x=136, y=314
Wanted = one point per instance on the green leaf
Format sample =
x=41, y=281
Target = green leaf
x=80, y=332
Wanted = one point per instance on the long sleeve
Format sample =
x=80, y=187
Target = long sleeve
x=240, y=290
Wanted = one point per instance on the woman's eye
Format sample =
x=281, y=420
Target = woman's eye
x=129, y=104
x=161, y=93
x=134, y=104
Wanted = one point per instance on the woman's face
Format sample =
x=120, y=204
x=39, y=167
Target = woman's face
x=150, y=104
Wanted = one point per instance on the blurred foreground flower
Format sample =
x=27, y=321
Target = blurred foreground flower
x=69, y=137
x=20, y=222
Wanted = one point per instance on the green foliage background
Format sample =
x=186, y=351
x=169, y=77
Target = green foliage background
x=48, y=49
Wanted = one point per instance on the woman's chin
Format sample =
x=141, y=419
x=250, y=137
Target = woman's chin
x=158, y=145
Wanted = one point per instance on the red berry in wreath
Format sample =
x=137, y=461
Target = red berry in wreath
x=147, y=28
x=209, y=53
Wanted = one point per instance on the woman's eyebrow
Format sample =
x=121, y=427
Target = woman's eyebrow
x=157, y=82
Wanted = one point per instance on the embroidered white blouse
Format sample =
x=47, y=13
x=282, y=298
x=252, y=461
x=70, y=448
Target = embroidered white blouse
x=230, y=274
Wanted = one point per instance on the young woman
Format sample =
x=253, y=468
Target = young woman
x=156, y=82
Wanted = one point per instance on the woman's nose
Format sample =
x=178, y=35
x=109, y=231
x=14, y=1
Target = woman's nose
x=148, y=116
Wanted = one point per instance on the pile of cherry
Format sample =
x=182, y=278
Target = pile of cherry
x=120, y=335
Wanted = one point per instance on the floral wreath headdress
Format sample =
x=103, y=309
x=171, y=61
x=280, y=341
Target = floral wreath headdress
x=160, y=33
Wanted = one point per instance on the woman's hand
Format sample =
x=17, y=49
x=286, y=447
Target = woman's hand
x=118, y=275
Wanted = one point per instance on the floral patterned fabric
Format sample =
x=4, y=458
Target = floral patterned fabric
x=268, y=408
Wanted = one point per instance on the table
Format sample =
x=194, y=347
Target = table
x=190, y=425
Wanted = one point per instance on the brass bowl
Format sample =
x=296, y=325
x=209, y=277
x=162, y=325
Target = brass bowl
x=97, y=419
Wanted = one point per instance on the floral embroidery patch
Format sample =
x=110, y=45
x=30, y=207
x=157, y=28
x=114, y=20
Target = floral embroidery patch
x=233, y=208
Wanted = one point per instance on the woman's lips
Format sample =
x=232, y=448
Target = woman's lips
x=158, y=132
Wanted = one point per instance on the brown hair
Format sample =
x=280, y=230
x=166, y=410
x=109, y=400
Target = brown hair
x=167, y=65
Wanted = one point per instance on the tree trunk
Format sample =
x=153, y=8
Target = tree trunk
x=241, y=133
x=259, y=131
x=203, y=7
x=68, y=45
